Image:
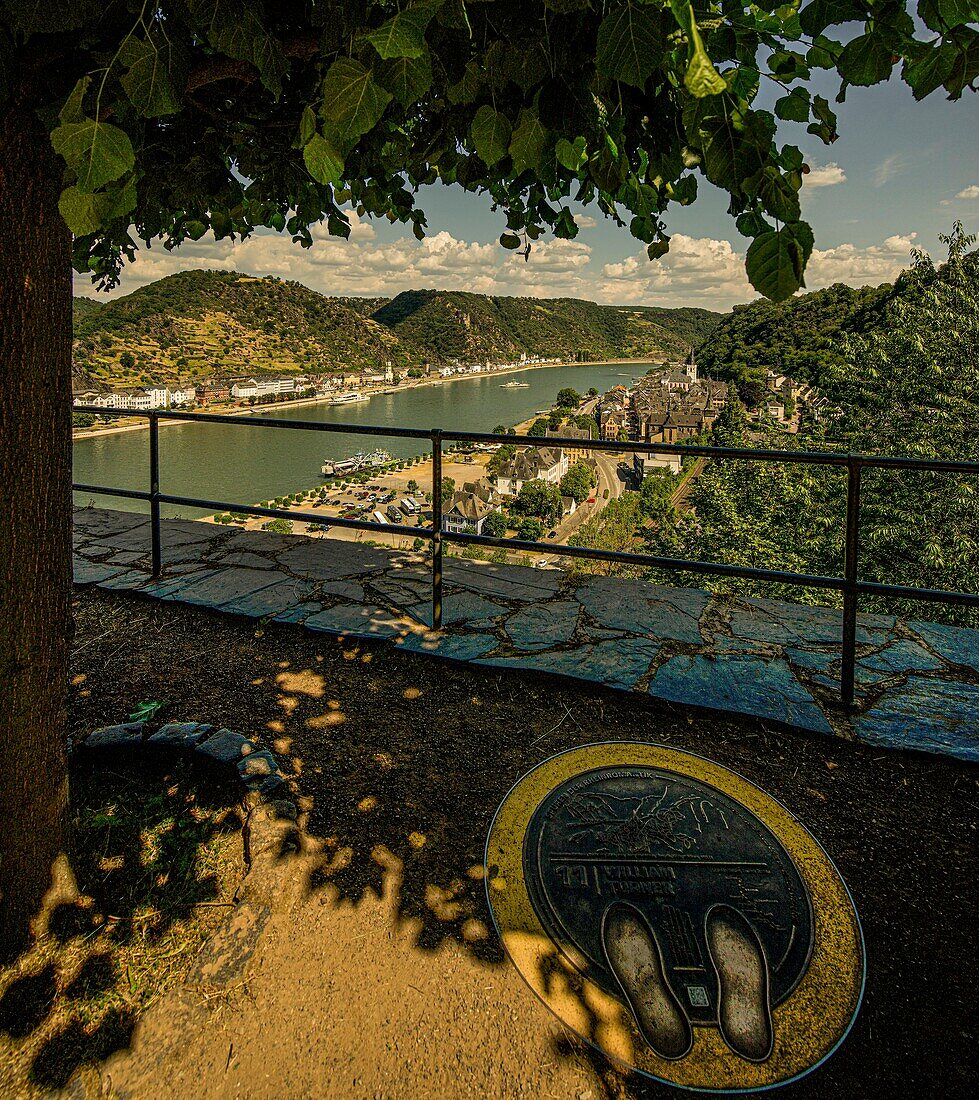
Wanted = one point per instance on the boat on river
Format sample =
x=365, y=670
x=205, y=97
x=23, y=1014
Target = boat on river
x=370, y=460
x=350, y=398
x=515, y=386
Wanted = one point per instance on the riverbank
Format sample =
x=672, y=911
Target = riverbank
x=413, y=384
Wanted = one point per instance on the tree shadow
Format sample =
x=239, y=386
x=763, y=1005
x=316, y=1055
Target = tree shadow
x=149, y=838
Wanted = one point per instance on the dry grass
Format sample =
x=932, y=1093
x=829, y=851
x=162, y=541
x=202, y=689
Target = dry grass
x=158, y=855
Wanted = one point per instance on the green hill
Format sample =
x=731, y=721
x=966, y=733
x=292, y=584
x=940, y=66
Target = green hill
x=204, y=324
x=799, y=337
x=458, y=325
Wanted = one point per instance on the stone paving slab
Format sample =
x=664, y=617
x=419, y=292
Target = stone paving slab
x=917, y=683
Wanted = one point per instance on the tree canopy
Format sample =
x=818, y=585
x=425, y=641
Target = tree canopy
x=189, y=116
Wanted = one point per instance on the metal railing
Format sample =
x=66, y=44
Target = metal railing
x=850, y=584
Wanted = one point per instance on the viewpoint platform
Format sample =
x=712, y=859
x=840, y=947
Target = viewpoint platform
x=675, y=916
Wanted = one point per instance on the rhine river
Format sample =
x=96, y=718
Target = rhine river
x=245, y=463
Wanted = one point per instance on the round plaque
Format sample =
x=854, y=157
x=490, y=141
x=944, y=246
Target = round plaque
x=675, y=916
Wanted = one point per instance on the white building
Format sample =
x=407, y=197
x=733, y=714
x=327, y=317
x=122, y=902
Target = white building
x=543, y=463
x=644, y=464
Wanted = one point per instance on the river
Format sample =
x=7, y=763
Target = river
x=246, y=463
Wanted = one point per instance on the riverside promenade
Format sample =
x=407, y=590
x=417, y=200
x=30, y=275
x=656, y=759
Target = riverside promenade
x=917, y=683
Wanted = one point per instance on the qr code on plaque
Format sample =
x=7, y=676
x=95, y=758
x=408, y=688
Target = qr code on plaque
x=698, y=996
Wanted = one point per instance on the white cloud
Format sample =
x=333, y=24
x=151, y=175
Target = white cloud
x=585, y=221
x=970, y=192
x=846, y=263
x=697, y=271
x=825, y=175
x=888, y=168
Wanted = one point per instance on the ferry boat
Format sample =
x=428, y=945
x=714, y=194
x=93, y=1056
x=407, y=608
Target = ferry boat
x=514, y=385
x=359, y=461
x=350, y=398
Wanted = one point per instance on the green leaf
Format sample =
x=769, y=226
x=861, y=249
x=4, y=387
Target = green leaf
x=775, y=193
x=775, y=264
x=403, y=35
x=820, y=14
x=307, y=127
x=408, y=78
x=352, y=101
x=730, y=154
x=490, y=132
x=865, y=61
x=147, y=80
x=702, y=79
x=658, y=248
x=752, y=224
x=629, y=46
x=794, y=107
x=82, y=211
x=572, y=155
x=930, y=69
x=235, y=28
x=510, y=240
x=527, y=143
x=145, y=711
x=323, y=161
x=97, y=151
x=466, y=89
x=72, y=111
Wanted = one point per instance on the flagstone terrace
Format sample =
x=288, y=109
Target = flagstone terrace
x=916, y=683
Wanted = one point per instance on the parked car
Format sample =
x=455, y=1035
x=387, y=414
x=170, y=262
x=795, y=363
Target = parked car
x=541, y=563
x=552, y=534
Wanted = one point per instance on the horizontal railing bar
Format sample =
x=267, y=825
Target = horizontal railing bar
x=800, y=580
x=260, y=422
x=749, y=454
x=305, y=517
x=106, y=490
x=819, y=458
x=926, y=595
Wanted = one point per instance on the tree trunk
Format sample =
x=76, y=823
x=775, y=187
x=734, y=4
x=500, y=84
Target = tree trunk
x=35, y=518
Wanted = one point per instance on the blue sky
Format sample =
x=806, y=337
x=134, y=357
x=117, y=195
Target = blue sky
x=900, y=174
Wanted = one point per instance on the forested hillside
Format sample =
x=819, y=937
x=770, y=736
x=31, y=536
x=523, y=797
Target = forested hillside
x=907, y=385
x=457, y=325
x=201, y=324
x=800, y=337
x=197, y=324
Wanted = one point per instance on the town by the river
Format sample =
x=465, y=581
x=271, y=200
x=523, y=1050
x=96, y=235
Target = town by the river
x=246, y=463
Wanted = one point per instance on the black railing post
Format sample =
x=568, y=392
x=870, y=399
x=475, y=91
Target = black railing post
x=436, y=528
x=848, y=666
x=155, y=494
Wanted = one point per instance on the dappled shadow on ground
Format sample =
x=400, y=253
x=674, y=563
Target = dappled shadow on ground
x=155, y=845
x=402, y=761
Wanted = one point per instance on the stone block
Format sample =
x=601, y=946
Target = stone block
x=177, y=735
x=225, y=746
x=747, y=685
x=928, y=715
x=257, y=765
x=125, y=735
x=542, y=626
x=956, y=644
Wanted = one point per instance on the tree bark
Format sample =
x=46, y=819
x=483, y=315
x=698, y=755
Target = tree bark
x=35, y=518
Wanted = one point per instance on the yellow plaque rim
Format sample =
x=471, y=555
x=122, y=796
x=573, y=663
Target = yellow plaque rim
x=810, y=1024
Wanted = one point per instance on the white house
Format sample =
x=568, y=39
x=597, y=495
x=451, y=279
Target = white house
x=466, y=514
x=544, y=463
x=643, y=464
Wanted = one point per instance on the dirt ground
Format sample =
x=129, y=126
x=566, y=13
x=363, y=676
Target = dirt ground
x=381, y=976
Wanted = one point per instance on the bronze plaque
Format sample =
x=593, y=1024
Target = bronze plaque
x=679, y=858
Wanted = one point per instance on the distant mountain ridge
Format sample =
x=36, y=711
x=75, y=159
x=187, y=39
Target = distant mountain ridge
x=203, y=324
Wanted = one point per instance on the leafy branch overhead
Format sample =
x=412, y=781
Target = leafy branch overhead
x=185, y=116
